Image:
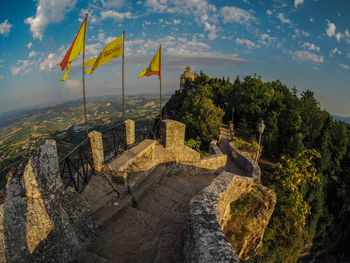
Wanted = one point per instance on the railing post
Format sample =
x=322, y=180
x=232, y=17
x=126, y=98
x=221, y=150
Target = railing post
x=129, y=132
x=97, y=150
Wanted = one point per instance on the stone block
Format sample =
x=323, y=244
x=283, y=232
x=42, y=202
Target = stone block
x=97, y=150
x=129, y=132
x=172, y=134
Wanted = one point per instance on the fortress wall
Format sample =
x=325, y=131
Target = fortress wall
x=209, y=212
x=245, y=163
x=41, y=221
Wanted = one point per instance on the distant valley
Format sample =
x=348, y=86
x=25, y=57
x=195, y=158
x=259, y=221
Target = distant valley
x=23, y=130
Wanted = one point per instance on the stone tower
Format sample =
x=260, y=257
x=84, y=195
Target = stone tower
x=187, y=75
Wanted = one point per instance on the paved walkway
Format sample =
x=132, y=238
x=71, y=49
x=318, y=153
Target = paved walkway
x=151, y=230
x=231, y=166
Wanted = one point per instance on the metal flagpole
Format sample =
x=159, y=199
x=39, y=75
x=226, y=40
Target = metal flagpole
x=160, y=81
x=123, y=79
x=86, y=123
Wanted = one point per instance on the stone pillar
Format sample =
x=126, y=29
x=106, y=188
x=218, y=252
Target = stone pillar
x=172, y=134
x=97, y=150
x=129, y=132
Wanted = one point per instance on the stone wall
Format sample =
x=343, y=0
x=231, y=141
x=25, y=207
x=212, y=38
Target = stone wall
x=245, y=163
x=40, y=220
x=205, y=240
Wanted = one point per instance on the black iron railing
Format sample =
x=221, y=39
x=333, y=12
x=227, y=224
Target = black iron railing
x=146, y=129
x=113, y=141
x=77, y=167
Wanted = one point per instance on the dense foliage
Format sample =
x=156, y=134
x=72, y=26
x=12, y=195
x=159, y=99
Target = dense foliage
x=311, y=150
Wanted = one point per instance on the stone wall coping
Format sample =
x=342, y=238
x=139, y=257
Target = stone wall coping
x=214, y=149
x=122, y=162
x=245, y=163
x=204, y=239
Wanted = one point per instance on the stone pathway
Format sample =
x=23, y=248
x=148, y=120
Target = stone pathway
x=231, y=166
x=151, y=230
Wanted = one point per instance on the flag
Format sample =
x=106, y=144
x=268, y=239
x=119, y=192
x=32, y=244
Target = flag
x=154, y=67
x=112, y=50
x=75, y=49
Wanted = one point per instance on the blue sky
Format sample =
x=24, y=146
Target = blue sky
x=305, y=43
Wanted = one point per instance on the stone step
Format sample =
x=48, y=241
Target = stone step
x=98, y=192
x=178, y=184
x=151, y=179
x=111, y=209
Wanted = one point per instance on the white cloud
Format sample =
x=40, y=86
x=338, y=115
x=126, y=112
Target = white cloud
x=266, y=38
x=73, y=85
x=344, y=66
x=212, y=30
x=235, y=14
x=310, y=46
x=51, y=63
x=303, y=55
x=269, y=12
x=178, y=52
x=157, y=6
x=338, y=36
x=5, y=28
x=22, y=66
x=112, y=3
x=311, y=19
x=348, y=56
x=202, y=12
x=335, y=51
x=115, y=15
x=47, y=12
x=249, y=44
x=347, y=33
x=32, y=54
x=177, y=21
x=29, y=45
x=94, y=49
x=330, y=30
x=284, y=20
x=298, y=2
x=101, y=37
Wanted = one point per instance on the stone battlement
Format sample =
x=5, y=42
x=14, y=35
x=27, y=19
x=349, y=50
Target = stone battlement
x=42, y=221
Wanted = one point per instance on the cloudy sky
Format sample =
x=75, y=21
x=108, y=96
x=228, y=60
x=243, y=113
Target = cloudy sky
x=305, y=43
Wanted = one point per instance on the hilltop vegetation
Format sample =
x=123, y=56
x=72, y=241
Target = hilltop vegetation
x=311, y=151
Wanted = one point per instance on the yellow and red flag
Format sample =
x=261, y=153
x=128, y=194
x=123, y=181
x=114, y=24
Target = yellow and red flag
x=154, y=67
x=113, y=50
x=75, y=49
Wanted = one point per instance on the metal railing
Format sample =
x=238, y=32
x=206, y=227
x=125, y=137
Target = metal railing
x=77, y=167
x=148, y=129
x=113, y=141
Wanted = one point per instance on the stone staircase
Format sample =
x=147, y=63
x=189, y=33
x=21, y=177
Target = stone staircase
x=151, y=229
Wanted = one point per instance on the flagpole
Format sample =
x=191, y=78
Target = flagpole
x=160, y=81
x=84, y=96
x=123, y=79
